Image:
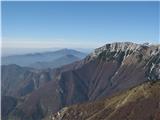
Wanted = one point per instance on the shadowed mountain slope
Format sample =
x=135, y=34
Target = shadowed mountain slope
x=19, y=81
x=139, y=103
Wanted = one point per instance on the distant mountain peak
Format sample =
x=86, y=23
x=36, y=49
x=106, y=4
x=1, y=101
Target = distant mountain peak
x=28, y=59
x=70, y=55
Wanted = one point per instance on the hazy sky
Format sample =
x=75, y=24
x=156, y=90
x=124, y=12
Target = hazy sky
x=78, y=24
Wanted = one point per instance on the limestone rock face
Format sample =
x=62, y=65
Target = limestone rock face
x=127, y=47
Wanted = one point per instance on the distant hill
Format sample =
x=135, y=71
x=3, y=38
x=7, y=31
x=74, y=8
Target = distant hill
x=28, y=59
x=67, y=59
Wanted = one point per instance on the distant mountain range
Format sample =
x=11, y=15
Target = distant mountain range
x=46, y=59
x=67, y=59
x=108, y=71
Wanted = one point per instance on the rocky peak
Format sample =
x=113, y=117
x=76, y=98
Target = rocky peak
x=148, y=55
x=125, y=47
x=115, y=47
x=59, y=115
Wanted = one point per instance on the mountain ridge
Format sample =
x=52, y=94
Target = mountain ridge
x=131, y=104
x=93, y=78
x=27, y=59
x=56, y=63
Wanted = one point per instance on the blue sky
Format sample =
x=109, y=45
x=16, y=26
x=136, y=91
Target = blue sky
x=77, y=24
